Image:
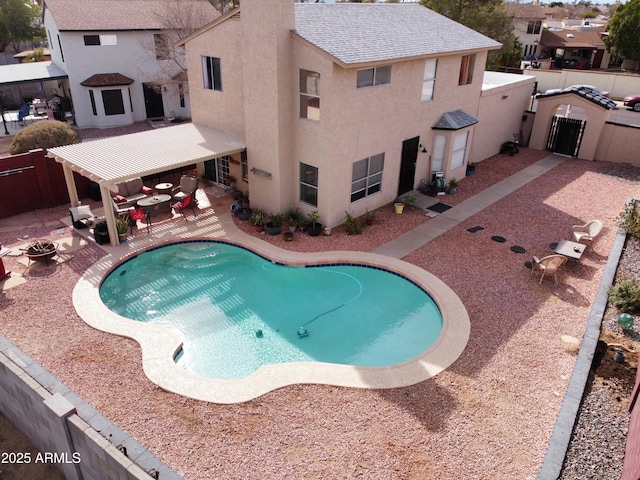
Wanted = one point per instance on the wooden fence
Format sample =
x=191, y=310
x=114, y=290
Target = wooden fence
x=33, y=181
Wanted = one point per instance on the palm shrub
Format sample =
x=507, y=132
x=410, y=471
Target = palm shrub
x=44, y=134
x=625, y=295
x=352, y=224
x=630, y=218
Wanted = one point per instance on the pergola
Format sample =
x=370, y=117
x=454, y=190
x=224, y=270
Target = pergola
x=116, y=159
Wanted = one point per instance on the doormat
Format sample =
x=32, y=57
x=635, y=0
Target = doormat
x=475, y=229
x=439, y=207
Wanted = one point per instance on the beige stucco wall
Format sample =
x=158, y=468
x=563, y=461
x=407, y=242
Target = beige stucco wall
x=501, y=111
x=358, y=123
x=547, y=108
x=221, y=110
x=261, y=60
x=619, y=143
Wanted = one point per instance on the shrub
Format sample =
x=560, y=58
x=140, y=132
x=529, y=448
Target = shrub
x=352, y=224
x=44, y=134
x=630, y=218
x=625, y=295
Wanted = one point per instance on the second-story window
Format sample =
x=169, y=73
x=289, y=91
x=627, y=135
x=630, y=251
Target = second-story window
x=92, y=40
x=534, y=26
x=466, y=69
x=309, y=95
x=370, y=77
x=211, y=73
x=161, y=43
x=429, y=79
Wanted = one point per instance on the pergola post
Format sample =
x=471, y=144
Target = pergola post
x=71, y=185
x=109, y=216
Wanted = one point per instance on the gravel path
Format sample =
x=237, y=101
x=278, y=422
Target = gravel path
x=488, y=416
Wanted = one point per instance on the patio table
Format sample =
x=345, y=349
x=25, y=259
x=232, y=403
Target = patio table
x=160, y=203
x=570, y=249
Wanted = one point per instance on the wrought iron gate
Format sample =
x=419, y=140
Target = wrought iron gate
x=565, y=135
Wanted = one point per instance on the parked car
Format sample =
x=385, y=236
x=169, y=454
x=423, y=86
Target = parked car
x=632, y=101
x=587, y=88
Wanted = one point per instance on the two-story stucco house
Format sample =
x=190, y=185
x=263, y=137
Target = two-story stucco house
x=343, y=106
x=115, y=54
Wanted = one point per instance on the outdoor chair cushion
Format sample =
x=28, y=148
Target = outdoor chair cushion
x=81, y=216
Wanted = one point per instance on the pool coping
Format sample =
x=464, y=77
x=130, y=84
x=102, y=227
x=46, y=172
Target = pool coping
x=159, y=344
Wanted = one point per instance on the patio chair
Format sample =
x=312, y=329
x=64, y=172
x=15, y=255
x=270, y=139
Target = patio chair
x=81, y=216
x=139, y=214
x=547, y=265
x=587, y=232
x=188, y=186
x=180, y=207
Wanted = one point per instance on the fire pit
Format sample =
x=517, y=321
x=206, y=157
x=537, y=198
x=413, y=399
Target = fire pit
x=42, y=250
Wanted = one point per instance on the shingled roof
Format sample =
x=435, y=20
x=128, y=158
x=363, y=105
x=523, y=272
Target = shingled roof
x=107, y=80
x=571, y=39
x=585, y=93
x=356, y=33
x=116, y=15
x=455, y=120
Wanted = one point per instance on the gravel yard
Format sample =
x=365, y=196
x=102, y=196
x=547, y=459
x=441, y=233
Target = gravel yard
x=490, y=415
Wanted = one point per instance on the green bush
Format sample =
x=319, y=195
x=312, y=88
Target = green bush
x=352, y=224
x=630, y=218
x=44, y=134
x=625, y=295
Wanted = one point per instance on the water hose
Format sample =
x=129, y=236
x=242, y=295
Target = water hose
x=302, y=331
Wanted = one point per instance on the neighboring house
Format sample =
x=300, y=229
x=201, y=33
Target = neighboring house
x=583, y=50
x=23, y=56
x=343, y=106
x=115, y=54
x=528, y=19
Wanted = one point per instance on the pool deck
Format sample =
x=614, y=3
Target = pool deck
x=160, y=345
x=211, y=224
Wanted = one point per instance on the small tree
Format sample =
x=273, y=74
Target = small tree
x=19, y=22
x=44, y=134
x=623, y=38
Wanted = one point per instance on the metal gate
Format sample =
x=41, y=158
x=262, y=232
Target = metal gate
x=565, y=135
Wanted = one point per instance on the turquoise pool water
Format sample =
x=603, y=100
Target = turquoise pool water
x=236, y=311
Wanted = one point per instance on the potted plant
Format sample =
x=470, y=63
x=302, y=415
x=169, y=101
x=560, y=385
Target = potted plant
x=453, y=185
x=243, y=212
x=399, y=207
x=122, y=227
x=293, y=220
x=410, y=199
x=370, y=217
x=257, y=219
x=274, y=226
x=314, y=228
x=471, y=168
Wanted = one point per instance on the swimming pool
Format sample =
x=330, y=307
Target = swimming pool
x=237, y=311
x=161, y=344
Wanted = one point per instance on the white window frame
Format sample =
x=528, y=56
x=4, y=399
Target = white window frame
x=429, y=79
x=107, y=39
x=437, y=158
x=459, y=149
x=375, y=76
x=308, y=185
x=370, y=181
x=467, y=64
x=212, y=73
x=309, y=95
